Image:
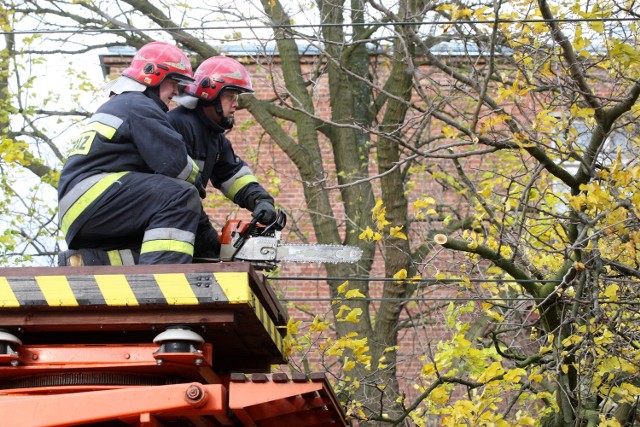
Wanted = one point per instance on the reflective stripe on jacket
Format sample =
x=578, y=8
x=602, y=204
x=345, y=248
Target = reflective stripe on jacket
x=83, y=195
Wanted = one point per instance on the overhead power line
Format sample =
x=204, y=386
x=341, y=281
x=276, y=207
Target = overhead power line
x=447, y=299
x=430, y=281
x=306, y=26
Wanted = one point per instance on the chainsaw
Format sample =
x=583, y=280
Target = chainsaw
x=261, y=245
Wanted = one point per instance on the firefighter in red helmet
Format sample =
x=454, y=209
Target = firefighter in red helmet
x=206, y=112
x=129, y=191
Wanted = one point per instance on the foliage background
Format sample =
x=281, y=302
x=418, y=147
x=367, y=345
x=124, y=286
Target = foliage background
x=525, y=133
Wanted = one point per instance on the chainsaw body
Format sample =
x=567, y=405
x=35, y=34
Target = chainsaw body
x=261, y=245
x=250, y=241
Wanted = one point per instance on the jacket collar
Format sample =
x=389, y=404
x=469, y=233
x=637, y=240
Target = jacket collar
x=207, y=121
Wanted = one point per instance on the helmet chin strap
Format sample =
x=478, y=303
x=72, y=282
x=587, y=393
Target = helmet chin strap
x=225, y=122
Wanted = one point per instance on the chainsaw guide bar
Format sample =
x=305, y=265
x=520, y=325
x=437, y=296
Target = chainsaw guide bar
x=319, y=253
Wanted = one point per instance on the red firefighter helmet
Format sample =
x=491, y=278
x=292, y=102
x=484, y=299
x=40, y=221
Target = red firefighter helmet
x=156, y=60
x=218, y=73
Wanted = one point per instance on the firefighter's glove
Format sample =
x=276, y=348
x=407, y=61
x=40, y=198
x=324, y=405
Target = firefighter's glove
x=200, y=186
x=265, y=212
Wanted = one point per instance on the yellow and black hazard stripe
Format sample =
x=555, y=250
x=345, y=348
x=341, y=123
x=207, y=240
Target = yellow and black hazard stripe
x=112, y=290
x=268, y=324
x=125, y=289
x=130, y=290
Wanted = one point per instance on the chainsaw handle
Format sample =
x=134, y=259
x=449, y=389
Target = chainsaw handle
x=277, y=224
x=246, y=233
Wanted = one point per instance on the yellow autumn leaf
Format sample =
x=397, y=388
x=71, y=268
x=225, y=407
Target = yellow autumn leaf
x=514, y=375
x=376, y=209
x=449, y=132
x=292, y=326
x=349, y=365
x=536, y=378
x=395, y=232
x=369, y=235
x=354, y=293
x=353, y=315
x=423, y=203
x=576, y=202
x=611, y=293
x=428, y=369
x=439, y=395
x=495, y=316
x=342, y=309
x=402, y=274
x=381, y=364
x=366, y=234
x=381, y=220
x=486, y=192
x=343, y=287
x=379, y=213
x=526, y=421
x=612, y=422
x=628, y=393
x=491, y=372
x=317, y=325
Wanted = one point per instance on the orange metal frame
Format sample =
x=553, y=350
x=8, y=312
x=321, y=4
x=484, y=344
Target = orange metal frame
x=55, y=378
x=141, y=406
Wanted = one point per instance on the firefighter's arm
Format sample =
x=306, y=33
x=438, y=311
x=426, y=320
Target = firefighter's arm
x=236, y=180
x=161, y=147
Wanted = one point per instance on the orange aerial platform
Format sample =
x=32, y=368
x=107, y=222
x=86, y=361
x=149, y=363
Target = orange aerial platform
x=162, y=345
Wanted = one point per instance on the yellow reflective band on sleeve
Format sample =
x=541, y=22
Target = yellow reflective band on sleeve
x=238, y=184
x=114, y=257
x=176, y=289
x=116, y=290
x=234, y=285
x=167, y=246
x=87, y=198
x=7, y=297
x=102, y=129
x=194, y=172
x=57, y=291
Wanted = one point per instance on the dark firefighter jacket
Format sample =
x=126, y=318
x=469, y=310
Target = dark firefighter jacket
x=213, y=153
x=128, y=133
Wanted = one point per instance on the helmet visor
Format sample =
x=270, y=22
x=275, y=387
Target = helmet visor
x=241, y=89
x=180, y=78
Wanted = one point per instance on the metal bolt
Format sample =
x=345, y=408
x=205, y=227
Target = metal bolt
x=194, y=393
